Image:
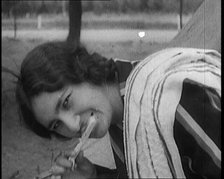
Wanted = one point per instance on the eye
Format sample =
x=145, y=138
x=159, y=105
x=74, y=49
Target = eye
x=56, y=125
x=65, y=104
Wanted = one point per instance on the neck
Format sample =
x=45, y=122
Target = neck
x=114, y=96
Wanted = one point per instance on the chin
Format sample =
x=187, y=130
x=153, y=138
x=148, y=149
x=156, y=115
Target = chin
x=98, y=134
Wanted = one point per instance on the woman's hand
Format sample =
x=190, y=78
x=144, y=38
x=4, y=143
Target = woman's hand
x=85, y=169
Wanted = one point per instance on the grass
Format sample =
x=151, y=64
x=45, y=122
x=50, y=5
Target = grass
x=92, y=21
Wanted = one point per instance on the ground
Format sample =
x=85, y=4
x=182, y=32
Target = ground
x=25, y=154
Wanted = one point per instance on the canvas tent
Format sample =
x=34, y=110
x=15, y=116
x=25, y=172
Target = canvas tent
x=204, y=28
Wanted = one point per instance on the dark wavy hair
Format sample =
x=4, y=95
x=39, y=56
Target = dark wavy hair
x=51, y=66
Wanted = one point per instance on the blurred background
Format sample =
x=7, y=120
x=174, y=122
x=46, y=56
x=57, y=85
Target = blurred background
x=99, y=13
x=126, y=29
x=102, y=20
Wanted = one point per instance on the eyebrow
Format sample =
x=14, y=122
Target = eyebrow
x=59, y=101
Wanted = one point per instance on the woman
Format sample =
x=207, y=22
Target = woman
x=59, y=89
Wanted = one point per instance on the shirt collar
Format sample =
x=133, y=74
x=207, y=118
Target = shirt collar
x=124, y=68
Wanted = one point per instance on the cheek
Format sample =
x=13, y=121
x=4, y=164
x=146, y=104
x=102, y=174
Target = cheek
x=100, y=130
x=103, y=124
x=83, y=101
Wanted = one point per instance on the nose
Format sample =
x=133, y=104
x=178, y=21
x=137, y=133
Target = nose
x=72, y=122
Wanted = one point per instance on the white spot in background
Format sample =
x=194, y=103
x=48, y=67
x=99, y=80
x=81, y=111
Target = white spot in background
x=141, y=34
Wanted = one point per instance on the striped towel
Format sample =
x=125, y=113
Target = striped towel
x=152, y=95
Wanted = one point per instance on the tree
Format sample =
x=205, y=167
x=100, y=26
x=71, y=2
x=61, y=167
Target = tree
x=15, y=11
x=75, y=14
x=181, y=10
x=42, y=8
x=7, y=7
x=63, y=5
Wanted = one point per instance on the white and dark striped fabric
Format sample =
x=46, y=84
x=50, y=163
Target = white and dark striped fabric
x=172, y=115
x=124, y=68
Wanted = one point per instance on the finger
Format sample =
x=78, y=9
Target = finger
x=57, y=170
x=79, y=157
x=63, y=162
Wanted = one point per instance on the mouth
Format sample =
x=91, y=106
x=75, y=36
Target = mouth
x=84, y=126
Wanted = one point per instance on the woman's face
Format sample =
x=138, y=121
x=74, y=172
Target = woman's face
x=67, y=111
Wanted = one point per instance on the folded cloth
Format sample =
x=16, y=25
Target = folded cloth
x=152, y=95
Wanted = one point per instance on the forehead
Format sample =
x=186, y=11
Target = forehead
x=44, y=105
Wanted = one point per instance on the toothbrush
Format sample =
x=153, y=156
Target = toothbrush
x=83, y=140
